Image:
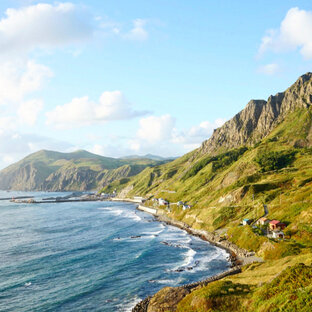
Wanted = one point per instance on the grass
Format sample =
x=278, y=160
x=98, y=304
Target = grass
x=284, y=288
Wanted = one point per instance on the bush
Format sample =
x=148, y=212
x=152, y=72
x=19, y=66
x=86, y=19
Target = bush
x=274, y=160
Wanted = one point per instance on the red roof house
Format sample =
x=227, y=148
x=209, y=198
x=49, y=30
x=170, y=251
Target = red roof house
x=276, y=225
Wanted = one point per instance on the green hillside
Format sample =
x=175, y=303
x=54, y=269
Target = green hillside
x=80, y=170
x=224, y=188
x=262, y=156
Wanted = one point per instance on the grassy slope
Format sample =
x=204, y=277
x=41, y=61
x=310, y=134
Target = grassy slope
x=289, y=289
x=45, y=163
x=225, y=189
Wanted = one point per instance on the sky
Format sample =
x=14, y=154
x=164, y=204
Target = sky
x=132, y=77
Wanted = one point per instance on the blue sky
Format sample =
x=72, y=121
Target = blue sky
x=135, y=77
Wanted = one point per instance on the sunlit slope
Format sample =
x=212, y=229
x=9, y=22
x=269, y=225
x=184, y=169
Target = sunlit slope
x=80, y=170
x=232, y=182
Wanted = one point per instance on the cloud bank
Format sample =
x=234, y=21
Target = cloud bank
x=294, y=33
x=82, y=111
x=44, y=26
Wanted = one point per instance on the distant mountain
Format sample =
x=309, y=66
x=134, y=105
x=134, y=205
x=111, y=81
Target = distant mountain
x=148, y=156
x=80, y=170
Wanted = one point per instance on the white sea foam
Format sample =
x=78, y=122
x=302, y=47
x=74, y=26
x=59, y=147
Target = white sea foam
x=123, y=213
x=128, y=305
x=155, y=232
x=167, y=281
x=188, y=260
x=189, y=257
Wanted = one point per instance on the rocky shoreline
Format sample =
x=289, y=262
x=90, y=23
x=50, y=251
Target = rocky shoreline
x=237, y=255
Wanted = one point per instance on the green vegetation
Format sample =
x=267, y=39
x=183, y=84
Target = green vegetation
x=80, y=170
x=289, y=291
x=219, y=296
x=218, y=162
x=224, y=189
x=274, y=160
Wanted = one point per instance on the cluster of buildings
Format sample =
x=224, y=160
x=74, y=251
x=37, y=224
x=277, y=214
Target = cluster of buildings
x=185, y=206
x=108, y=195
x=274, y=228
x=163, y=202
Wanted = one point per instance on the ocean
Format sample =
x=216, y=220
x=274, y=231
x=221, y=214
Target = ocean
x=92, y=256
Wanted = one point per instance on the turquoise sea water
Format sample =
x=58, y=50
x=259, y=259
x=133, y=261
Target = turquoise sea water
x=92, y=256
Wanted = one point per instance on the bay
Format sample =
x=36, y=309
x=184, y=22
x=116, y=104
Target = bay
x=92, y=256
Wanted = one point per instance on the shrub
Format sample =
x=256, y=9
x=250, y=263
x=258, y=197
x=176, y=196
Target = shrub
x=272, y=160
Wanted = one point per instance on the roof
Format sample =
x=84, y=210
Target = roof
x=246, y=219
x=263, y=219
x=275, y=222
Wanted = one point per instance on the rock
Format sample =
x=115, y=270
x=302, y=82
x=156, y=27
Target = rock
x=167, y=299
x=142, y=305
x=259, y=117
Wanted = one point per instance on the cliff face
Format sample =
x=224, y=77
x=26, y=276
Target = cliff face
x=53, y=171
x=260, y=117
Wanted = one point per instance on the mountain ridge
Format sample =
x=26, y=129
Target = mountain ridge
x=78, y=170
x=259, y=117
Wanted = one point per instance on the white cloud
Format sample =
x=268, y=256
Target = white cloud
x=159, y=135
x=98, y=149
x=28, y=111
x=154, y=129
x=138, y=32
x=269, y=69
x=15, y=145
x=82, y=111
x=7, y=123
x=294, y=32
x=43, y=25
x=193, y=137
x=18, y=79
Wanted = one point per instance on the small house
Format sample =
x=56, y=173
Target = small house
x=186, y=207
x=276, y=225
x=278, y=234
x=263, y=221
x=162, y=202
x=246, y=221
x=180, y=203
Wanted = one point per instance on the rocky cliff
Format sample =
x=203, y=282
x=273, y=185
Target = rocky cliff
x=259, y=117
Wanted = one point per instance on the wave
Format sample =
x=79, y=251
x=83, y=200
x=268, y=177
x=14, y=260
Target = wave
x=188, y=262
x=121, y=212
x=129, y=304
x=155, y=232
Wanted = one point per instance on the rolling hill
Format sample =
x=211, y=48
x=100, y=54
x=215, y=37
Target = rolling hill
x=80, y=170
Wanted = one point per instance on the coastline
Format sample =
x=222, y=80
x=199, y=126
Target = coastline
x=237, y=256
